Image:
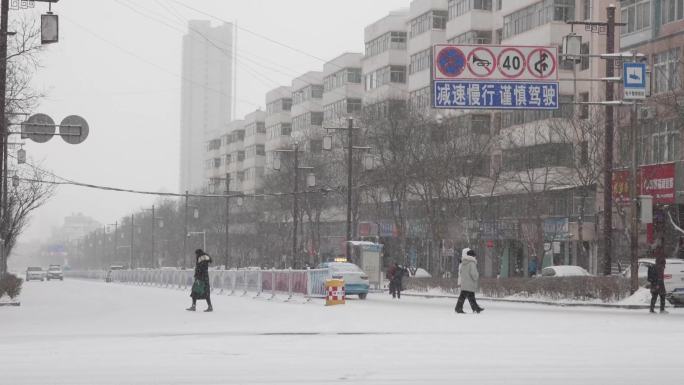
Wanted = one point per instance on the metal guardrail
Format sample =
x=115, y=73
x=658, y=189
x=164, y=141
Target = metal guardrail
x=307, y=283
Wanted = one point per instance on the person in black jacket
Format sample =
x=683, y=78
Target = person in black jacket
x=656, y=279
x=201, y=288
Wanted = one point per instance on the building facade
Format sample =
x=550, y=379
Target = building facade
x=206, y=95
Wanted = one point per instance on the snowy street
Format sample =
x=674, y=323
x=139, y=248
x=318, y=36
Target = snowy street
x=91, y=332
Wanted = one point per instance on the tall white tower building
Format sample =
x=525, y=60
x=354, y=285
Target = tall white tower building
x=206, y=95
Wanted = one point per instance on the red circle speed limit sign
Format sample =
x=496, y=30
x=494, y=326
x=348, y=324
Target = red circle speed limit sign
x=481, y=62
x=511, y=62
x=541, y=63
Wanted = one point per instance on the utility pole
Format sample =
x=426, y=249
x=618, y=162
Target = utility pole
x=185, y=230
x=130, y=263
x=153, y=225
x=227, y=258
x=295, y=204
x=608, y=150
x=4, y=14
x=350, y=148
x=634, y=196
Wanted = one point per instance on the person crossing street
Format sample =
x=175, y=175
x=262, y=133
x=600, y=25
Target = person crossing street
x=468, y=280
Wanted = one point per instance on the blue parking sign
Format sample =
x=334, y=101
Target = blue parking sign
x=634, y=80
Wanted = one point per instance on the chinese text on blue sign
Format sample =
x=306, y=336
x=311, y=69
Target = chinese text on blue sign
x=504, y=95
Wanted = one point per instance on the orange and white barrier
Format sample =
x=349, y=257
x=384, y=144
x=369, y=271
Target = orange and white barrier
x=334, y=292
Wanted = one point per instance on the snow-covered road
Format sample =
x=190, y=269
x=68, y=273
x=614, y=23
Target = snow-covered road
x=87, y=332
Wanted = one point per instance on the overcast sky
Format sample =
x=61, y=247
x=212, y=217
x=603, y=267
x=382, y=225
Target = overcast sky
x=118, y=64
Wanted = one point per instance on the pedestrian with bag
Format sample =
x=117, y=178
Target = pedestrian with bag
x=656, y=280
x=468, y=280
x=201, y=288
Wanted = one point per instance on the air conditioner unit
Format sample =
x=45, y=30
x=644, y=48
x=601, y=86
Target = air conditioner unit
x=644, y=113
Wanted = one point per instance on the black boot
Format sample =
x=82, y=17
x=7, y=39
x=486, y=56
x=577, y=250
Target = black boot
x=209, y=309
x=191, y=308
x=479, y=310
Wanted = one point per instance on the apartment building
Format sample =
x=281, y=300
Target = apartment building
x=342, y=89
x=653, y=28
x=384, y=64
x=206, y=95
x=307, y=110
x=278, y=122
x=251, y=173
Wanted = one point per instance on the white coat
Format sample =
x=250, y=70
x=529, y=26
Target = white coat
x=468, y=276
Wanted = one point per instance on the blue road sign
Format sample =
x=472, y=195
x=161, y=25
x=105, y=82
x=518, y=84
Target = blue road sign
x=634, y=75
x=456, y=94
x=634, y=81
x=451, y=61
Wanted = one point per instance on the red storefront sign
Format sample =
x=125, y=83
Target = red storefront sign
x=655, y=180
x=659, y=182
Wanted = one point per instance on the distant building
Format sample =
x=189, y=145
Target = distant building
x=206, y=95
x=75, y=226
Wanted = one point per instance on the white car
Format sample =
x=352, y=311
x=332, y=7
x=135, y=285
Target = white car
x=355, y=280
x=55, y=272
x=35, y=273
x=564, y=271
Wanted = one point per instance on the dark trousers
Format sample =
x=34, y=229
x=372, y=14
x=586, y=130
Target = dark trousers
x=395, y=289
x=194, y=300
x=471, y=299
x=659, y=292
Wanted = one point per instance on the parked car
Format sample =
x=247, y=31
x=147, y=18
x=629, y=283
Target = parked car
x=108, y=277
x=55, y=272
x=355, y=280
x=35, y=273
x=564, y=271
x=674, y=277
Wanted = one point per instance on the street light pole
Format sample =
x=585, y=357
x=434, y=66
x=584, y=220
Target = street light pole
x=4, y=13
x=227, y=244
x=185, y=230
x=295, y=204
x=130, y=263
x=153, y=223
x=350, y=148
x=608, y=151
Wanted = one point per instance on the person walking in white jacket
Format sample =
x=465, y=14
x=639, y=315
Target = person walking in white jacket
x=468, y=280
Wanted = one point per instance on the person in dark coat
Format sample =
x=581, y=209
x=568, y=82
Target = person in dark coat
x=396, y=274
x=656, y=277
x=201, y=288
x=390, y=276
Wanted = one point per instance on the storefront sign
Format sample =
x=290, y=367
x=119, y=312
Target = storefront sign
x=656, y=180
x=556, y=229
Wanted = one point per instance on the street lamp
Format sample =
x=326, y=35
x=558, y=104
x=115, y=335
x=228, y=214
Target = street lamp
x=154, y=224
x=116, y=233
x=327, y=145
x=310, y=181
x=204, y=237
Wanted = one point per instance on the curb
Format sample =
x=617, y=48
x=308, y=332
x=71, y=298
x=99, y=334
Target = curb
x=536, y=302
x=10, y=303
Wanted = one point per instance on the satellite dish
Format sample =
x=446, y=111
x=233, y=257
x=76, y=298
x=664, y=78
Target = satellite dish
x=39, y=127
x=73, y=129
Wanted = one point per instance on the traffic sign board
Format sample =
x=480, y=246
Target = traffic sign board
x=73, y=129
x=456, y=94
x=38, y=127
x=495, y=62
x=634, y=80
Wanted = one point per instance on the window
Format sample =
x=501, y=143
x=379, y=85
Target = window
x=427, y=21
x=457, y=8
x=240, y=156
x=342, y=77
x=538, y=156
x=537, y=15
x=420, y=61
x=472, y=37
x=636, y=14
x=385, y=75
x=480, y=124
x=584, y=61
x=285, y=129
x=420, y=99
x=584, y=108
x=659, y=142
x=518, y=117
x=586, y=9
x=313, y=91
x=255, y=128
x=260, y=150
x=387, y=41
x=665, y=71
x=671, y=10
x=317, y=118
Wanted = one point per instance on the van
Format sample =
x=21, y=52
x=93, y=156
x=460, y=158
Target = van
x=674, y=276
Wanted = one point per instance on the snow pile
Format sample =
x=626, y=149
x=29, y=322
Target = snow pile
x=640, y=297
